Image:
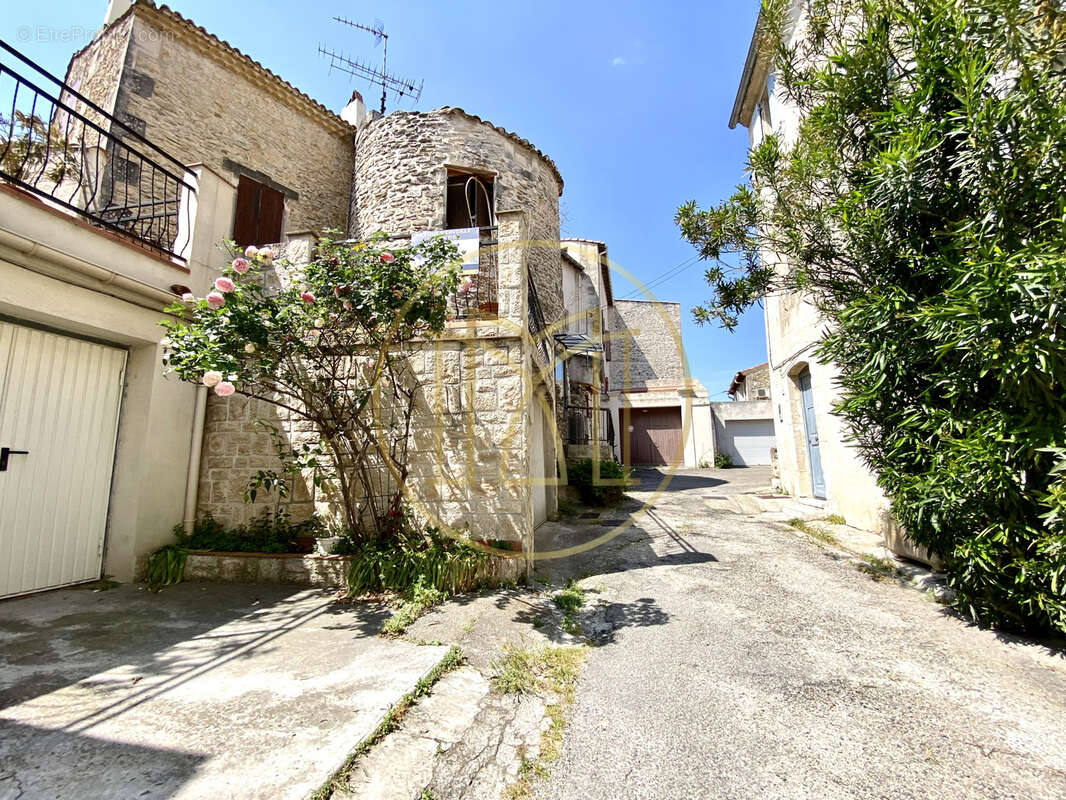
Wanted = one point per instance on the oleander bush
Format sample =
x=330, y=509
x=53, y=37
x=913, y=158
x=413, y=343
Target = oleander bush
x=921, y=205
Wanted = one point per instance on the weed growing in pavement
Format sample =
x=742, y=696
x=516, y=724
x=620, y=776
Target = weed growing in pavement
x=548, y=669
x=836, y=519
x=420, y=599
x=879, y=568
x=813, y=531
x=452, y=660
x=570, y=600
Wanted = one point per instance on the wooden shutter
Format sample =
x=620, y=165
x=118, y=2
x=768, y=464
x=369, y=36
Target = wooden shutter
x=259, y=212
x=271, y=206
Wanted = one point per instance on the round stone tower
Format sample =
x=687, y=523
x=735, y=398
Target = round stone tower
x=412, y=173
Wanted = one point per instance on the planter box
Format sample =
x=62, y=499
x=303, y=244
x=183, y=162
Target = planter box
x=897, y=540
x=326, y=572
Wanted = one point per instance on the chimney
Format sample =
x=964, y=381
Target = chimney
x=115, y=9
x=353, y=113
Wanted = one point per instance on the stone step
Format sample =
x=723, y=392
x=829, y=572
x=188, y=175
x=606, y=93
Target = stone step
x=462, y=741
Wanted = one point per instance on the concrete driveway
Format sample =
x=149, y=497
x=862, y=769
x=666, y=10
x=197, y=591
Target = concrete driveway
x=732, y=658
x=202, y=691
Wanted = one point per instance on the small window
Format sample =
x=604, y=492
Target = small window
x=470, y=201
x=259, y=213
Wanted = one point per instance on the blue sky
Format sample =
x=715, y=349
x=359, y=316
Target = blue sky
x=630, y=99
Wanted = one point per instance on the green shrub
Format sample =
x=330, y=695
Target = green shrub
x=605, y=490
x=723, y=460
x=919, y=206
x=414, y=558
x=269, y=533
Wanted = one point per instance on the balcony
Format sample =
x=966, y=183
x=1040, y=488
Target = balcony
x=73, y=156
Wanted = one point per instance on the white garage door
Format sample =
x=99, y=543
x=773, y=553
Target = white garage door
x=59, y=402
x=748, y=441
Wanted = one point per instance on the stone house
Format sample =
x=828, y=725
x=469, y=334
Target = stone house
x=814, y=459
x=744, y=425
x=626, y=388
x=752, y=383
x=483, y=458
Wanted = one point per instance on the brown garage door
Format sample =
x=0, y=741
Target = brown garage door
x=654, y=436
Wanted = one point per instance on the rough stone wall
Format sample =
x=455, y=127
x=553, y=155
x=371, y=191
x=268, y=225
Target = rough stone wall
x=175, y=91
x=652, y=350
x=469, y=455
x=94, y=71
x=758, y=378
x=400, y=179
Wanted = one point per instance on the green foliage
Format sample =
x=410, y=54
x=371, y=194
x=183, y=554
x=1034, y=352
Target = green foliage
x=400, y=563
x=420, y=599
x=268, y=533
x=327, y=343
x=599, y=483
x=570, y=600
x=166, y=566
x=723, y=460
x=921, y=205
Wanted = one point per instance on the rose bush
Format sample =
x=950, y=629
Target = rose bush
x=328, y=342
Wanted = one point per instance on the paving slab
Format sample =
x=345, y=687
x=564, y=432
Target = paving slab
x=201, y=691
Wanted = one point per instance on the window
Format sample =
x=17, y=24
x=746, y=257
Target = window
x=259, y=212
x=470, y=202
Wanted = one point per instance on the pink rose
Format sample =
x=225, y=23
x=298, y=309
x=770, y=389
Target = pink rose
x=216, y=300
x=307, y=297
x=239, y=265
x=466, y=286
x=251, y=251
x=211, y=378
x=388, y=258
x=188, y=297
x=224, y=284
x=225, y=389
x=267, y=255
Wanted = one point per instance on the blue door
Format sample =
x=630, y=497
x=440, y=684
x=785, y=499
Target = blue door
x=814, y=452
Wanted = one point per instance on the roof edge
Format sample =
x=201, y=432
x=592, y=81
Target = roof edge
x=750, y=64
x=252, y=69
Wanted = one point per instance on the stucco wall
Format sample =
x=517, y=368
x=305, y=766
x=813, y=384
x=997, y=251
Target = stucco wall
x=202, y=106
x=793, y=328
x=400, y=179
x=649, y=348
x=56, y=273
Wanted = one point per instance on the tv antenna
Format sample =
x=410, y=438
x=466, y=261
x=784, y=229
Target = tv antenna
x=379, y=77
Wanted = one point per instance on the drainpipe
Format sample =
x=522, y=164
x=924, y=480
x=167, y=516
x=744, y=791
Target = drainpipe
x=192, y=481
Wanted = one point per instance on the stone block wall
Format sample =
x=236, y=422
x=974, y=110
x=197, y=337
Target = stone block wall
x=400, y=183
x=468, y=457
x=202, y=102
x=652, y=352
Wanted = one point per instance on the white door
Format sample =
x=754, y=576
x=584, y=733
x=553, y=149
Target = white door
x=59, y=402
x=748, y=441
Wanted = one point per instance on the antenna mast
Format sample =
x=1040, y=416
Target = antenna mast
x=379, y=77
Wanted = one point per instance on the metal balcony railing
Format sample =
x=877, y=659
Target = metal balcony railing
x=66, y=150
x=589, y=425
x=536, y=322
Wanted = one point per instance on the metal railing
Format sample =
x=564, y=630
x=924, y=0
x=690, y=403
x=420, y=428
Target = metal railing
x=536, y=321
x=69, y=152
x=478, y=295
x=589, y=425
